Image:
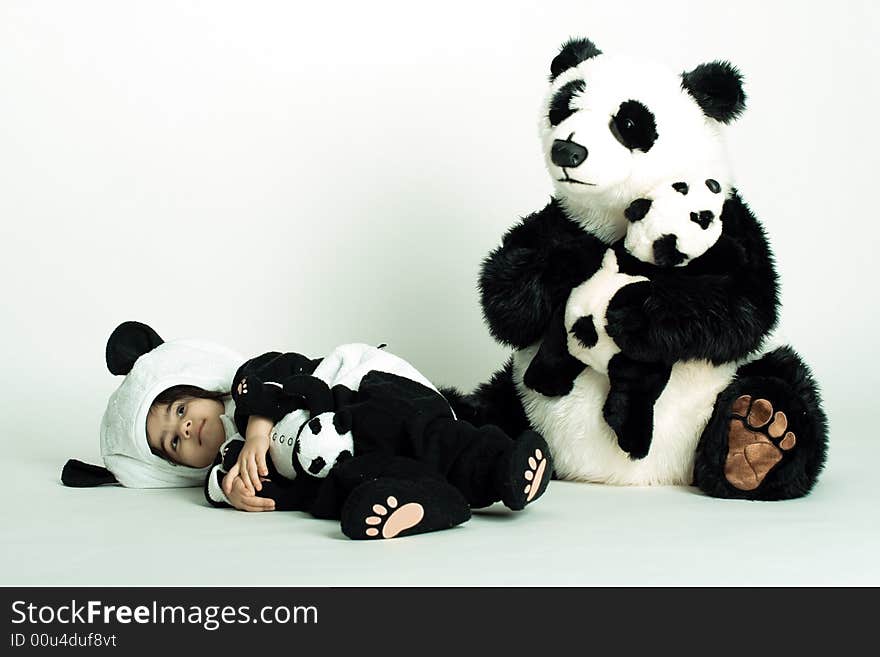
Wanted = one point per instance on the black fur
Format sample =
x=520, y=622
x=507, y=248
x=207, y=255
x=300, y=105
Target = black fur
x=666, y=253
x=629, y=406
x=719, y=307
x=681, y=187
x=783, y=378
x=524, y=281
x=560, y=106
x=634, y=126
x=638, y=209
x=584, y=329
x=315, y=425
x=553, y=370
x=572, y=53
x=494, y=402
x=717, y=88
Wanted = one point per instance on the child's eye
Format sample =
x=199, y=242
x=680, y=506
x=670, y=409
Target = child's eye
x=174, y=442
x=180, y=410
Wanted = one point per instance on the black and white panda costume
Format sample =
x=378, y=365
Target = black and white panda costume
x=735, y=418
x=672, y=225
x=360, y=436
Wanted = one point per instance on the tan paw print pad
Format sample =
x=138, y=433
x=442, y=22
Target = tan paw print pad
x=534, y=474
x=525, y=471
x=390, y=519
x=393, y=508
x=758, y=438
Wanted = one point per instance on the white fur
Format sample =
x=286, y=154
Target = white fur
x=592, y=298
x=585, y=448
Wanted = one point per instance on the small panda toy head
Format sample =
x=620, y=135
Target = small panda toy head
x=325, y=439
x=676, y=222
x=612, y=128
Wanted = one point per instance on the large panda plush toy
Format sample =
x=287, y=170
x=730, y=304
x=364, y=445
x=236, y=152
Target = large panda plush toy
x=732, y=415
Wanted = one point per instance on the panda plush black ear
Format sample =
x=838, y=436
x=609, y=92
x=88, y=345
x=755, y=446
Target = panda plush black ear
x=572, y=53
x=717, y=88
x=128, y=342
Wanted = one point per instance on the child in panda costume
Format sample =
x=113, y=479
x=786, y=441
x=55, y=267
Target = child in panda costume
x=672, y=225
x=360, y=436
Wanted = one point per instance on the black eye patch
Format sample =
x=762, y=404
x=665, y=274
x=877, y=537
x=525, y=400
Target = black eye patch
x=560, y=106
x=634, y=126
x=681, y=187
x=713, y=186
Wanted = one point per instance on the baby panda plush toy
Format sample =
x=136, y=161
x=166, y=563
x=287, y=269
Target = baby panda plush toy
x=735, y=416
x=669, y=227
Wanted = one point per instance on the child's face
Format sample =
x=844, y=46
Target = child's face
x=187, y=431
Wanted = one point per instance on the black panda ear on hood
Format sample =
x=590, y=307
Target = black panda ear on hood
x=717, y=88
x=128, y=342
x=573, y=52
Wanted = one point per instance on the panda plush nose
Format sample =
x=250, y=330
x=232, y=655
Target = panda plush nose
x=567, y=154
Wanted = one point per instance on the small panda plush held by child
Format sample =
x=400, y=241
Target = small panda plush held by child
x=359, y=436
x=670, y=226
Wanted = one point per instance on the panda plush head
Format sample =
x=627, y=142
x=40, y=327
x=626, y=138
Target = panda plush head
x=614, y=128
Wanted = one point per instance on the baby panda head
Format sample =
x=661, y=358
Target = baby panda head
x=325, y=438
x=675, y=222
x=612, y=127
x=324, y=441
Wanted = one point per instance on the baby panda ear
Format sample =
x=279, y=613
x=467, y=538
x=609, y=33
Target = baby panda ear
x=717, y=88
x=128, y=342
x=573, y=52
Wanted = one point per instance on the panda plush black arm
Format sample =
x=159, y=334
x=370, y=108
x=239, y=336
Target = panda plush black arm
x=530, y=275
x=719, y=311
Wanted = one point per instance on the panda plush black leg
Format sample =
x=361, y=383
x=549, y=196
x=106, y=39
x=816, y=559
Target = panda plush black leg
x=767, y=437
x=629, y=406
x=553, y=370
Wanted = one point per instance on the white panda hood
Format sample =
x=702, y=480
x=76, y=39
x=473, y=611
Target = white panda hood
x=124, y=446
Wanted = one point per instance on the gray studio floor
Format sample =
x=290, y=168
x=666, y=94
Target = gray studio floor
x=578, y=534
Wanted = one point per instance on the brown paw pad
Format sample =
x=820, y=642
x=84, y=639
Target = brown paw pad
x=754, y=445
x=390, y=519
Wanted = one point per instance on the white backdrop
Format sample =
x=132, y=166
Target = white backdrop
x=276, y=175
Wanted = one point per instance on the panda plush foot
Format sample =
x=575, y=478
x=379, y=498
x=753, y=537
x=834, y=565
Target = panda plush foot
x=525, y=471
x=758, y=438
x=392, y=508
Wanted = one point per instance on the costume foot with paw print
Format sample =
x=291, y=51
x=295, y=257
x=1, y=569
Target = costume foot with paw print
x=525, y=471
x=392, y=508
x=756, y=443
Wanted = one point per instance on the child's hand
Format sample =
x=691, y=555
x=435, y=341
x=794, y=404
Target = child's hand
x=244, y=500
x=251, y=464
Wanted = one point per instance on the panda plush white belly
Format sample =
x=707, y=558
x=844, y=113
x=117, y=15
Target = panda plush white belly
x=584, y=446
